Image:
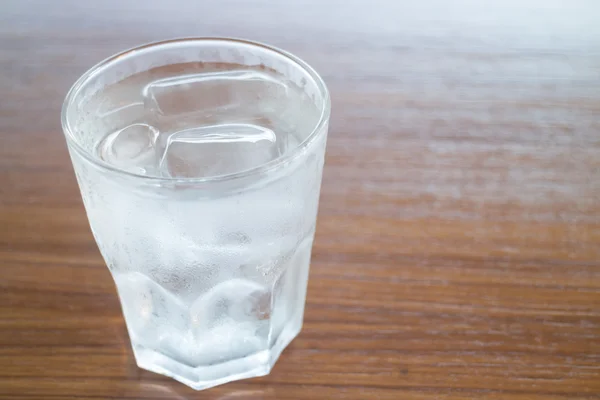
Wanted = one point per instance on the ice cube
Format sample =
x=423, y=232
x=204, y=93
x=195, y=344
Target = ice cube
x=218, y=150
x=211, y=93
x=231, y=320
x=131, y=148
x=228, y=340
x=237, y=299
x=154, y=316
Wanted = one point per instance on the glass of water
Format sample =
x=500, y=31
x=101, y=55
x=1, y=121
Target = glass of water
x=199, y=163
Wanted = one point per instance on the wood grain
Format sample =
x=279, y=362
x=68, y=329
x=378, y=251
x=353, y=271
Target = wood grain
x=458, y=244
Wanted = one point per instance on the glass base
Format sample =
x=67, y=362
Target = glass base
x=204, y=377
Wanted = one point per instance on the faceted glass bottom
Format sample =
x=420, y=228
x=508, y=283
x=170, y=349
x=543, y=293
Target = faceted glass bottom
x=204, y=377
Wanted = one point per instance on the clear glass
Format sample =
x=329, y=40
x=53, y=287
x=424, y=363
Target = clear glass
x=211, y=270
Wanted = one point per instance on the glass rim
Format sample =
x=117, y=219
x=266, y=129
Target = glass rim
x=100, y=67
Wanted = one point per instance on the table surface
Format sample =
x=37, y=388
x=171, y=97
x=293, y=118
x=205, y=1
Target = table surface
x=457, y=253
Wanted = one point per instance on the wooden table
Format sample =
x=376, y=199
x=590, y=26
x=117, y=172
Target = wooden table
x=457, y=253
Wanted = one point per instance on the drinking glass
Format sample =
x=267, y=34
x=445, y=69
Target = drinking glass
x=199, y=163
